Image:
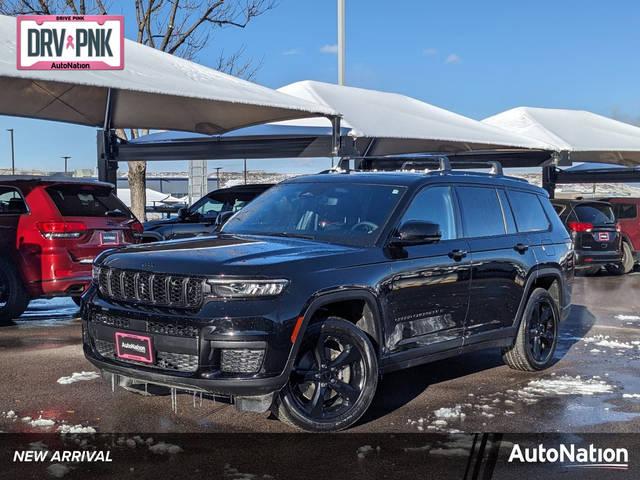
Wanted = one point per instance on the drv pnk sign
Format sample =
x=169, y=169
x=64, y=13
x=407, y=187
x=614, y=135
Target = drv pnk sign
x=70, y=42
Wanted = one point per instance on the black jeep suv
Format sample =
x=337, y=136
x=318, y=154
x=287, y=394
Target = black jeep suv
x=324, y=282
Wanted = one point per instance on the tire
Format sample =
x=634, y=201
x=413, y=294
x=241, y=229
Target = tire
x=317, y=399
x=13, y=296
x=627, y=261
x=592, y=271
x=539, y=325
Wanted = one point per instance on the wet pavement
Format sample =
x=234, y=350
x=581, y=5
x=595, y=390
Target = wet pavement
x=594, y=385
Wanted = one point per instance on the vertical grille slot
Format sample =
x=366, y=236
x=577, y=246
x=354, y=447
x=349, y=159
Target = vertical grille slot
x=144, y=287
x=176, y=290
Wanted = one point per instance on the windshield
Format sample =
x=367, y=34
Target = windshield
x=595, y=213
x=353, y=214
x=87, y=201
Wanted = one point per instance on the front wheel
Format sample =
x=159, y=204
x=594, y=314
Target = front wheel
x=537, y=335
x=333, y=380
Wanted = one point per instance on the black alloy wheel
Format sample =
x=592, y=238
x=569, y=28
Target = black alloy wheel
x=542, y=331
x=333, y=379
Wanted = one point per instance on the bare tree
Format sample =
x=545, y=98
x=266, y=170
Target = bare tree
x=179, y=27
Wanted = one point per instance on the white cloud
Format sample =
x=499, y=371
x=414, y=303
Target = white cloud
x=292, y=51
x=329, y=48
x=453, y=58
x=430, y=51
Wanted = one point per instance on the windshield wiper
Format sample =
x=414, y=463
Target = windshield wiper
x=290, y=235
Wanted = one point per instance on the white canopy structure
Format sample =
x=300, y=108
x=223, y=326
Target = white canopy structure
x=585, y=136
x=155, y=90
x=395, y=123
x=154, y=198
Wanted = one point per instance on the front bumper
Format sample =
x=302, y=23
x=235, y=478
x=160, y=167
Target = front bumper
x=586, y=258
x=192, y=353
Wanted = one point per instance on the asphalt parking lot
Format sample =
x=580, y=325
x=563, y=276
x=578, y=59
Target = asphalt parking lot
x=593, y=387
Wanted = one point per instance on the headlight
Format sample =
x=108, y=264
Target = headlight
x=249, y=288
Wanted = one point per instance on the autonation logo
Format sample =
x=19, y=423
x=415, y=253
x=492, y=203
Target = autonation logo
x=570, y=456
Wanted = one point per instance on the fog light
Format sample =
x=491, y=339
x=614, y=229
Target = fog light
x=241, y=360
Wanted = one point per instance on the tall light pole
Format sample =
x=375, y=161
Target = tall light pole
x=13, y=159
x=245, y=171
x=341, y=41
x=65, y=162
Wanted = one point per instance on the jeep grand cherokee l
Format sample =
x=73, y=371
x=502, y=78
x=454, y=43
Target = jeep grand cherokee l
x=325, y=282
x=50, y=232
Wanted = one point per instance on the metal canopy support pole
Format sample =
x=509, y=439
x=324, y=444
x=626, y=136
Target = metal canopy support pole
x=108, y=146
x=549, y=179
x=335, y=136
x=341, y=41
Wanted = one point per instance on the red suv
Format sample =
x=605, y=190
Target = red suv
x=626, y=211
x=50, y=232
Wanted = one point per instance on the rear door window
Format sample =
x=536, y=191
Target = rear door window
x=481, y=211
x=530, y=216
x=86, y=201
x=595, y=213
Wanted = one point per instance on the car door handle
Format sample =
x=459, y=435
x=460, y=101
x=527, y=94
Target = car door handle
x=457, y=254
x=521, y=247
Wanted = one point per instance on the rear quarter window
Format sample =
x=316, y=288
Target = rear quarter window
x=86, y=201
x=527, y=209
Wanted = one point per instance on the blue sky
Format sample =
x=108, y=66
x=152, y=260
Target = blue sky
x=474, y=58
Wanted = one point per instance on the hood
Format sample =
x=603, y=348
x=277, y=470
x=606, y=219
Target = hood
x=231, y=255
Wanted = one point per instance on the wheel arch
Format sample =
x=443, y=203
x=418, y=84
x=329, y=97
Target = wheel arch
x=548, y=278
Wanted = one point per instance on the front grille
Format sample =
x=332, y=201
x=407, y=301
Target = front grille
x=174, y=291
x=180, y=362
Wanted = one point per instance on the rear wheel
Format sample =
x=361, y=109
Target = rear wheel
x=537, y=335
x=627, y=261
x=334, y=378
x=13, y=296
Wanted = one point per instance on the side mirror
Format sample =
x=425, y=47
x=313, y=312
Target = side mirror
x=183, y=213
x=415, y=232
x=222, y=218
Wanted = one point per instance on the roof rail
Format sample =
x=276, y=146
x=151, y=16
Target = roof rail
x=496, y=167
x=399, y=162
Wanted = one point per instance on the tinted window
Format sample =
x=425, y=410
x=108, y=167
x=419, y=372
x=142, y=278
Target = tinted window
x=351, y=213
x=625, y=210
x=481, y=212
x=530, y=216
x=11, y=202
x=86, y=201
x=433, y=205
x=207, y=207
x=595, y=213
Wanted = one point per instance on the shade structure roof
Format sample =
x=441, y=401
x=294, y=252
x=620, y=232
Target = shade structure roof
x=395, y=123
x=586, y=137
x=154, y=90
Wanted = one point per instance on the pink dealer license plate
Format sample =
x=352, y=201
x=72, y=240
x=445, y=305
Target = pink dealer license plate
x=70, y=42
x=134, y=347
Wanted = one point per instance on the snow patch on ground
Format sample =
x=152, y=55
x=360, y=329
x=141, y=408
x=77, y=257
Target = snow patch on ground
x=631, y=395
x=58, y=470
x=161, y=448
x=42, y=422
x=627, y=317
x=607, y=342
x=455, y=412
x=565, y=385
x=78, y=377
x=71, y=429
